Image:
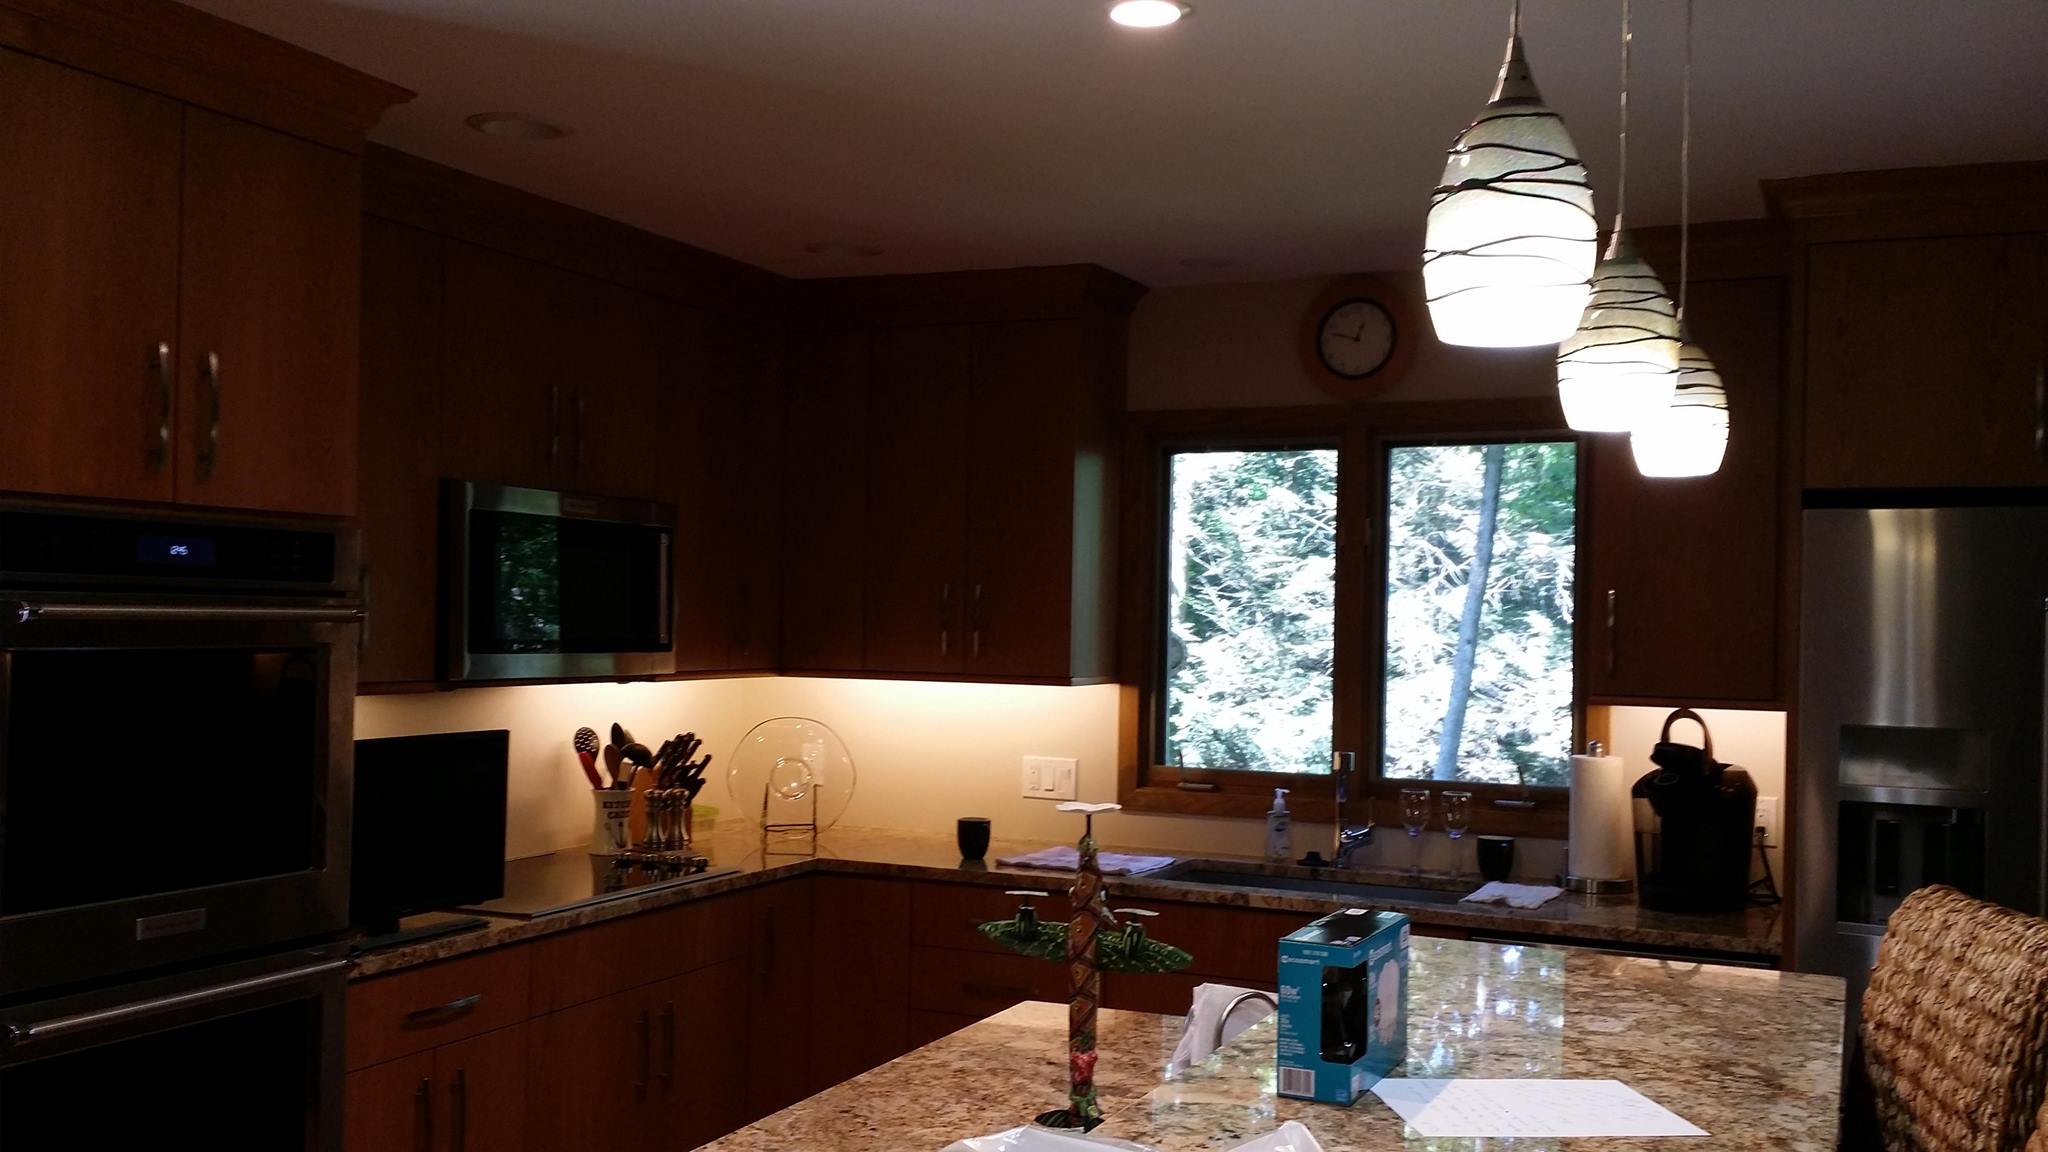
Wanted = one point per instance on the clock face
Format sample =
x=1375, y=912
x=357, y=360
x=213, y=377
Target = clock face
x=1356, y=338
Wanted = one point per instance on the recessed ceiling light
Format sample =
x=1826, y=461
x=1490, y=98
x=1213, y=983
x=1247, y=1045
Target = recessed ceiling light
x=513, y=126
x=835, y=248
x=1147, y=13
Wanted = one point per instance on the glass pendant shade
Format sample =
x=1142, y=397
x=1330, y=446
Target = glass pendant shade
x=1508, y=258
x=1689, y=437
x=1620, y=368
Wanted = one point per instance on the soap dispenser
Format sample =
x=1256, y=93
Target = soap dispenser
x=1279, y=830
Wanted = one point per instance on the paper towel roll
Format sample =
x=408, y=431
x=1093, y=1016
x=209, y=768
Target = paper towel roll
x=1602, y=820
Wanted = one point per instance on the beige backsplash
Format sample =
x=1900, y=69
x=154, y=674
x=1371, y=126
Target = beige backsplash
x=928, y=753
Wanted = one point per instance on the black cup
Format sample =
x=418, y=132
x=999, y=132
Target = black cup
x=973, y=837
x=1496, y=856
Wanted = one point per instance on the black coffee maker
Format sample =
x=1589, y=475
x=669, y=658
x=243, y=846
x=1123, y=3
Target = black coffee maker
x=1693, y=853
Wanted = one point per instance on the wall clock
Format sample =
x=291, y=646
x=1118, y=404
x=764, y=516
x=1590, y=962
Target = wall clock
x=1357, y=337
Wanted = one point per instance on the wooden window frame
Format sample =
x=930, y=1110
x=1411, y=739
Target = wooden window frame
x=1362, y=434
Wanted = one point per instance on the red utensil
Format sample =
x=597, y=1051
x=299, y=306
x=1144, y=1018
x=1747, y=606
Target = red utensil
x=586, y=755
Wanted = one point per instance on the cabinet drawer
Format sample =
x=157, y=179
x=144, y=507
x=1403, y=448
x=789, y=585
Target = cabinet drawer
x=945, y=915
x=1167, y=993
x=420, y=1008
x=590, y=963
x=978, y=985
x=1237, y=945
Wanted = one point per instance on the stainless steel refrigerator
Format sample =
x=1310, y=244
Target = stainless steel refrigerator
x=1923, y=659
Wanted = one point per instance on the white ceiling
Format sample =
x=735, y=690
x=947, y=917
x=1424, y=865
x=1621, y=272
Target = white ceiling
x=1287, y=137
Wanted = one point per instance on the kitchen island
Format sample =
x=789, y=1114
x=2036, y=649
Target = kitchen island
x=1753, y=1057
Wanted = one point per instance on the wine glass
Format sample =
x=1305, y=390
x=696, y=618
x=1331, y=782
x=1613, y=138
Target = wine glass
x=1415, y=818
x=1457, y=816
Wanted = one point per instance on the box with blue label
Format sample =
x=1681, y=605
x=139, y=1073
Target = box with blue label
x=1343, y=1004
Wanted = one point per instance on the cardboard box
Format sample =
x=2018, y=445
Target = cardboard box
x=1343, y=1004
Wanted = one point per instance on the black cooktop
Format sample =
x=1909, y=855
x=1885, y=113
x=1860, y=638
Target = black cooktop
x=559, y=881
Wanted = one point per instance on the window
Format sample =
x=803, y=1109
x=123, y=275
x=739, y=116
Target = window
x=1477, y=626
x=1393, y=580
x=1251, y=615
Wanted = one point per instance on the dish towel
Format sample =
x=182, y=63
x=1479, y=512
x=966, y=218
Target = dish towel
x=1068, y=858
x=1514, y=895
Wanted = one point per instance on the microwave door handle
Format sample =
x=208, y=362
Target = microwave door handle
x=665, y=590
x=17, y=1035
x=27, y=612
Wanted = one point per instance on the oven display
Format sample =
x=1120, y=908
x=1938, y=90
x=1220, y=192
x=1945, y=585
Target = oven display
x=175, y=551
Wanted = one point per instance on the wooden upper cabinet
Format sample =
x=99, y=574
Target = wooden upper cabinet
x=1692, y=565
x=1040, y=543
x=914, y=594
x=268, y=319
x=825, y=510
x=1924, y=362
x=616, y=411
x=501, y=397
x=401, y=369
x=89, y=242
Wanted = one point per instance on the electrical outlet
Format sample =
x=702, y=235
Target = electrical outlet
x=1050, y=777
x=1767, y=819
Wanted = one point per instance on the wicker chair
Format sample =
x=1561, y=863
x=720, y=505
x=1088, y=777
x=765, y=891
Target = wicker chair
x=1955, y=1025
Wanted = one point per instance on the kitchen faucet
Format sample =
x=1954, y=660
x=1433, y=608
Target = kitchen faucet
x=1349, y=837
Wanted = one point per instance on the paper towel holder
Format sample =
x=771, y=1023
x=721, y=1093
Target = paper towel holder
x=1587, y=885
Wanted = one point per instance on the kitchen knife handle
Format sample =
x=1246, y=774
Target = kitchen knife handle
x=668, y=1047
x=442, y=1013
x=458, y=1111
x=160, y=436
x=642, y=1028
x=209, y=448
x=945, y=618
x=1612, y=598
x=423, y=1107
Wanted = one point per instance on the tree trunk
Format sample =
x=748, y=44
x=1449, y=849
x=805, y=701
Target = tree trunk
x=1468, y=624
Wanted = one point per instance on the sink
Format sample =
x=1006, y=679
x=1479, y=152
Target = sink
x=1231, y=874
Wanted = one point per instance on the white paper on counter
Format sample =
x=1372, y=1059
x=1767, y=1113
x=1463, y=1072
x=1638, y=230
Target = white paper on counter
x=1508, y=1108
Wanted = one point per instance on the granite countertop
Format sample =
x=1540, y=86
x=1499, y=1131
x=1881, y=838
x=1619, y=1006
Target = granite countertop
x=1593, y=921
x=1754, y=1057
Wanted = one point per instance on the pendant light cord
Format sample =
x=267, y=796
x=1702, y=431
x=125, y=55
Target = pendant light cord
x=1685, y=169
x=1621, y=192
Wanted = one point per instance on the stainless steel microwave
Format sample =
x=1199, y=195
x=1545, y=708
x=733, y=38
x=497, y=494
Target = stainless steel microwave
x=540, y=585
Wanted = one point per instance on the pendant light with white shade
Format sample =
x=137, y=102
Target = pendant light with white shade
x=1508, y=257
x=1690, y=436
x=1620, y=368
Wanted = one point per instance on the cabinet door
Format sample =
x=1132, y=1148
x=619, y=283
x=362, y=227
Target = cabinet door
x=1692, y=564
x=1924, y=362
x=501, y=410
x=917, y=507
x=1033, y=388
x=482, y=1085
x=268, y=298
x=401, y=365
x=825, y=505
x=588, y=1075
x=89, y=241
x=698, y=1091
x=389, y=1107
x=860, y=987
x=780, y=991
x=615, y=435
x=747, y=416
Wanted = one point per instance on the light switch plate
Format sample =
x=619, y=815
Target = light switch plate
x=1767, y=819
x=1050, y=777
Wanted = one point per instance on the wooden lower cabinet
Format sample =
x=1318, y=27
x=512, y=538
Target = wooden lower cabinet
x=389, y=1107
x=860, y=982
x=460, y=1097
x=582, y=1065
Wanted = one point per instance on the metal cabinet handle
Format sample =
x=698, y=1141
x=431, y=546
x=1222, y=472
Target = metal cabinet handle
x=159, y=449
x=668, y=1047
x=363, y=633
x=209, y=448
x=423, y=1107
x=458, y=1111
x=442, y=1013
x=974, y=637
x=2041, y=410
x=642, y=1026
x=664, y=591
x=945, y=618
x=577, y=459
x=554, y=422
x=1612, y=598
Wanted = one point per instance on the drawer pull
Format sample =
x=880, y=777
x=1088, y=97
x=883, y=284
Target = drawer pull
x=442, y=1013
x=643, y=1028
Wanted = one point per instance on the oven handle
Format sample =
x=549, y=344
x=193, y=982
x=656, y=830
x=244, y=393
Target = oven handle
x=21, y=1035
x=26, y=612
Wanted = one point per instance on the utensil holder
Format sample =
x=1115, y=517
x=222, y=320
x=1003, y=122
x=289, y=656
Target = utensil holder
x=610, y=809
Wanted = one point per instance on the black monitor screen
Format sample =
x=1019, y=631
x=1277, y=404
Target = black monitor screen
x=429, y=825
